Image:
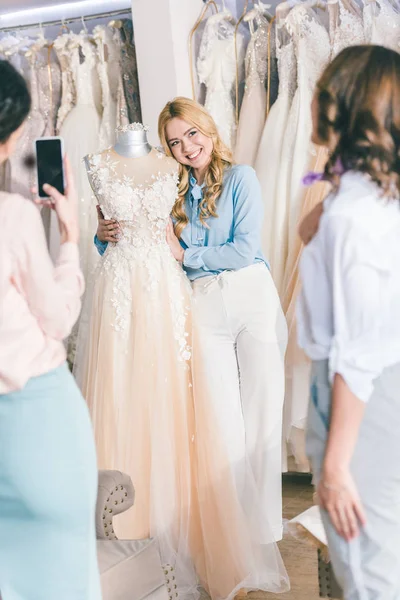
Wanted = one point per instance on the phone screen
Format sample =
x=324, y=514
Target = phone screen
x=49, y=164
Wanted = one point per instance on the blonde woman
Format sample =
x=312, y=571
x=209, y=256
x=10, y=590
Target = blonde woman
x=239, y=339
x=241, y=328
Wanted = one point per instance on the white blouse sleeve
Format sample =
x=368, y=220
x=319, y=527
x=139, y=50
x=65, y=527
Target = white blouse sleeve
x=357, y=275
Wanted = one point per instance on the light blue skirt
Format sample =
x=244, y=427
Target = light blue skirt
x=368, y=567
x=48, y=490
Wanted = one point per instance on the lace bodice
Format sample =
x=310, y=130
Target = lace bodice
x=68, y=92
x=382, y=24
x=49, y=88
x=287, y=67
x=257, y=53
x=80, y=81
x=311, y=43
x=349, y=31
x=142, y=210
x=216, y=68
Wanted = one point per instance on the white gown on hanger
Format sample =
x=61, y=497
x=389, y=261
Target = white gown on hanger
x=108, y=65
x=382, y=24
x=271, y=146
x=80, y=131
x=254, y=105
x=346, y=30
x=216, y=68
x=349, y=30
x=312, y=47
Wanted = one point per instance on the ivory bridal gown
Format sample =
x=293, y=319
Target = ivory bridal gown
x=151, y=419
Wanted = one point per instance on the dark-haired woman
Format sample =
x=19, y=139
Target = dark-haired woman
x=47, y=458
x=349, y=324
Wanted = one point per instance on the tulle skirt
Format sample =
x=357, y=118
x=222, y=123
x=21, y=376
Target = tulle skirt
x=80, y=132
x=153, y=421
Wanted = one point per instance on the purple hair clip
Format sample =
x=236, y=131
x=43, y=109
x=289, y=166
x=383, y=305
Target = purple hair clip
x=312, y=177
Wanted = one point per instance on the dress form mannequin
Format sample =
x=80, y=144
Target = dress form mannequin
x=133, y=157
x=132, y=141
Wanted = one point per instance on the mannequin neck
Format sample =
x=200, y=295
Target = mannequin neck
x=132, y=144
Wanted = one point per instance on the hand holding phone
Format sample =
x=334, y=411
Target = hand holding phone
x=64, y=202
x=50, y=167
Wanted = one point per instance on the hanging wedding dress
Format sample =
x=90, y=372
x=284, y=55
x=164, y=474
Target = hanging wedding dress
x=80, y=131
x=254, y=105
x=22, y=176
x=271, y=146
x=216, y=68
x=108, y=66
x=133, y=366
x=129, y=69
x=346, y=28
x=382, y=24
x=312, y=49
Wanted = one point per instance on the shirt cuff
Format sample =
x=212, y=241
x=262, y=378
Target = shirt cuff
x=69, y=252
x=358, y=371
x=192, y=258
x=101, y=246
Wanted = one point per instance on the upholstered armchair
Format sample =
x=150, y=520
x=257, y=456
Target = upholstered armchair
x=130, y=569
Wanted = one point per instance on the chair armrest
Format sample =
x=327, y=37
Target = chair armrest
x=116, y=494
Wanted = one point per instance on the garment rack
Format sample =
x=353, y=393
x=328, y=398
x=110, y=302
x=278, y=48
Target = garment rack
x=104, y=15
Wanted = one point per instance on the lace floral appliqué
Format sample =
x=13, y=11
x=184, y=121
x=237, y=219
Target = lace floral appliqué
x=143, y=212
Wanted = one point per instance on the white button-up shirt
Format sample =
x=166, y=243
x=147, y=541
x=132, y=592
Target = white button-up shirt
x=349, y=307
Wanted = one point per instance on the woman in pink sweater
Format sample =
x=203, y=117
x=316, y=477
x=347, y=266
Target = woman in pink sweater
x=48, y=475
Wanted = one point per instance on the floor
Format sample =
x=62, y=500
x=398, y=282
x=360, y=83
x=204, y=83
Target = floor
x=300, y=559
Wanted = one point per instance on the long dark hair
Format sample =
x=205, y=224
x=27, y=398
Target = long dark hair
x=358, y=112
x=15, y=100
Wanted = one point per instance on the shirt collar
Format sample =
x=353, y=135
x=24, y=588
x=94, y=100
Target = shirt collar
x=196, y=189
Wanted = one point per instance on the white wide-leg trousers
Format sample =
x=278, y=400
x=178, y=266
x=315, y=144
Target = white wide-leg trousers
x=241, y=337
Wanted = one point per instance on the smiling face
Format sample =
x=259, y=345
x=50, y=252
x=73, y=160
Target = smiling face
x=189, y=146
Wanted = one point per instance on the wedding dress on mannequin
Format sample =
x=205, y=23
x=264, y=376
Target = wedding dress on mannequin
x=151, y=419
x=254, y=105
x=216, y=68
x=80, y=131
x=271, y=146
x=382, y=24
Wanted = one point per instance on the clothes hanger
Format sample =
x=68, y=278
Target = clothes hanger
x=212, y=4
x=85, y=29
x=227, y=13
x=115, y=23
x=64, y=27
x=284, y=8
x=314, y=4
x=352, y=7
x=258, y=8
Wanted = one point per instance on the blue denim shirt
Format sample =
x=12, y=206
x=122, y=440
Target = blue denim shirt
x=230, y=241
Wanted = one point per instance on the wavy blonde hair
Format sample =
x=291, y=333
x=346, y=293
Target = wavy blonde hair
x=192, y=112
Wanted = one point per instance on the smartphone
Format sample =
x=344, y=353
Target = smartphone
x=50, y=164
